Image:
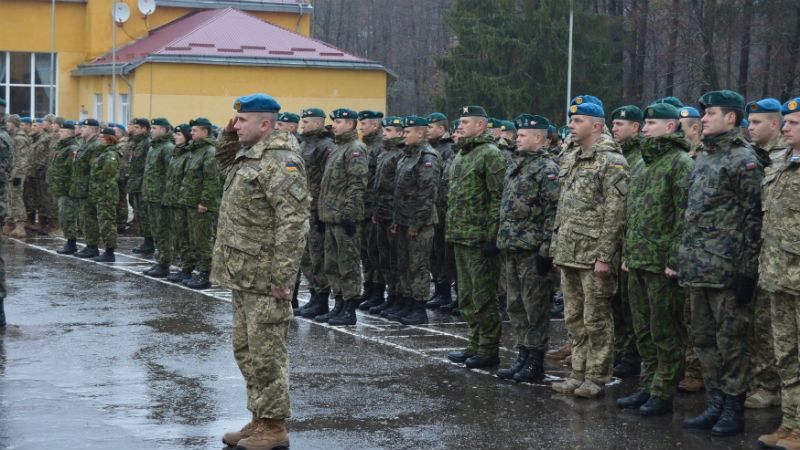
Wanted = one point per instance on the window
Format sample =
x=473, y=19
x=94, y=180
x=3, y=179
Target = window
x=124, y=109
x=98, y=106
x=28, y=83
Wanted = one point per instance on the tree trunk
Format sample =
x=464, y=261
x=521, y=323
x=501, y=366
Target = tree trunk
x=672, y=48
x=744, y=51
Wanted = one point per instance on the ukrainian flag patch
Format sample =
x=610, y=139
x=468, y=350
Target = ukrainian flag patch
x=291, y=166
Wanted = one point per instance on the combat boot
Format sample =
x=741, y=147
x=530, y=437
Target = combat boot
x=656, y=406
x=710, y=416
x=317, y=306
x=388, y=303
x=567, y=386
x=626, y=370
x=508, y=372
x=106, y=257
x=375, y=298
x=589, y=389
x=791, y=442
x=400, y=303
x=19, y=231
x=338, y=303
x=269, y=434
x=731, y=421
x=157, y=271
x=179, y=276
x=482, y=361
x=199, y=281
x=635, y=400
x=69, y=248
x=561, y=353
x=444, y=298
x=762, y=398
x=436, y=299
x=417, y=315
x=146, y=247
x=460, y=356
x=347, y=316
x=408, y=306
x=90, y=251
x=533, y=369
x=772, y=439
x=233, y=437
x=2, y=313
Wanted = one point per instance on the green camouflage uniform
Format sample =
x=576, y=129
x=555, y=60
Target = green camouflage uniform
x=103, y=194
x=153, y=187
x=656, y=204
x=6, y=164
x=79, y=189
x=139, y=146
x=721, y=240
x=382, y=189
x=443, y=265
x=179, y=222
x=122, y=203
x=527, y=211
x=37, y=197
x=315, y=147
x=369, y=232
x=263, y=222
x=200, y=186
x=22, y=162
x=473, y=215
x=59, y=176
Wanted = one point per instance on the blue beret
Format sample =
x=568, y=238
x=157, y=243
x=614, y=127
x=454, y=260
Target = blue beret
x=40, y=120
x=745, y=123
x=69, y=124
x=369, y=115
x=765, y=105
x=256, y=103
x=587, y=109
x=344, y=113
x=313, y=112
x=581, y=99
x=288, y=117
x=393, y=121
x=25, y=119
x=415, y=121
x=792, y=106
x=689, y=112
x=436, y=117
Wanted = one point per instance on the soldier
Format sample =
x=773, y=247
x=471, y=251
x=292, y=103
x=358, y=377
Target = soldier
x=153, y=188
x=527, y=212
x=6, y=163
x=508, y=137
x=15, y=219
x=719, y=259
x=263, y=221
x=473, y=216
x=36, y=194
x=692, y=129
x=372, y=136
x=79, y=187
x=586, y=244
x=178, y=238
x=288, y=122
x=102, y=201
x=123, y=141
x=779, y=274
x=60, y=176
x=341, y=209
x=139, y=145
x=656, y=197
x=38, y=141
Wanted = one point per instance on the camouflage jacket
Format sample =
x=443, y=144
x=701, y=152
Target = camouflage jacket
x=139, y=146
x=632, y=151
x=174, y=178
x=201, y=177
x=529, y=203
x=6, y=162
x=315, y=147
x=344, y=181
x=81, y=168
x=382, y=186
x=475, y=187
x=104, y=175
x=374, y=143
x=779, y=261
x=40, y=154
x=723, y=216
x=59, y=173
x=418, y=174
x=444, y=146
x=263, y=216
x=155, y=168
x=23, y=152
x=591, y=206
x=656, y=204
x=774, y=150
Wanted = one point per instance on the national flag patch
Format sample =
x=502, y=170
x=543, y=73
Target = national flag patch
x=428, y=164
x=618, y=165
x=290, y=166
x=552, y=177
x=356, y=154
x=751, y=166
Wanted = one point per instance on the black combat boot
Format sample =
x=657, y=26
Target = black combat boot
x=635, y=400
x=199, y=281
x=656, y=406
x=106, y=257
x=508, y=372
x=417, y=314
x=482, y=361
x=366, y=291
x=338, y=303
x=145, y=248
x=502, y=306
x=436, y=299
x=295, y=291
x=298, y=310
x=731, y=421
x=390, y=301
x=179, y=276
x=375, y=298
x=69, y=248
x=445, y=297
x=710, y=416
x=408, y=306
x=347, y=316
x=533, y=369
x=625, y=369
x=90, y=251
x=150, y=269
x=399, y=304
x=316, y=306
x=158, y=271
x=459, y=356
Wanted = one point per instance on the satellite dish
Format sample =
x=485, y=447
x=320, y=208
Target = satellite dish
x=147, y=7
x=121, y=13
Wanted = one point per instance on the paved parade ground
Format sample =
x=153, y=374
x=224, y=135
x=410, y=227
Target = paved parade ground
x=98, y=356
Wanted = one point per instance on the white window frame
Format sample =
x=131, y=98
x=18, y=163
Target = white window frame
x=98, y=107
x=6, y=87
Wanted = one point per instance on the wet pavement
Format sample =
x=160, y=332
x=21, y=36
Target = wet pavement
x=98, y=356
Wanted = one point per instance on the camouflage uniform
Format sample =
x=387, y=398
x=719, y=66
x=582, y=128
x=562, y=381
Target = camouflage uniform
x=37, y=199
x=6, y=164
x=341, y=201
x=153, y=187
x=59, y=175
x=416, y=180
x=263, y=221
x=527, y=211
x=721, y=241
x=473, y=216
x=200, y=186
x=314, y=148
x=369, y=232
x=139, y=146
x=79, y=189
x=588, y=229
x=122, y=203
x=178, y=220
x=382, y=189
x=656, y=204
x=443, y=265
x=22, y=162
x=103, y=194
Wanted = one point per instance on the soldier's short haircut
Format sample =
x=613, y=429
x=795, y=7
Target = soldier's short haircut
x=738, y=112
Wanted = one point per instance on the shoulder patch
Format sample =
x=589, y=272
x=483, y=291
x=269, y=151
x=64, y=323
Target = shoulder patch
x=552, y=176
x=291, y=166
x=751, y=166
x=356, y=154
x=428, y=164
x=618, y=165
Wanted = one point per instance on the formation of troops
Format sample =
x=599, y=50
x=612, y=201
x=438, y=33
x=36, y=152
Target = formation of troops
x=673, y=237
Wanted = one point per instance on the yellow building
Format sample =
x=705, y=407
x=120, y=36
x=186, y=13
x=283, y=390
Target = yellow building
x=188, y=58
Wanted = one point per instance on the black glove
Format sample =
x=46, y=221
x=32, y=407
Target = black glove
x=320, y=226
x=16, y=181
x=745, y=287
x=489, y=249
x=349, y=227
x=543, y=265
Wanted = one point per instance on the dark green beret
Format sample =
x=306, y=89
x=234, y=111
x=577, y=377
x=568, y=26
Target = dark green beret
x=415, y=121
x=185, y=130
x=142, y=122
x=791, y=106
x=581, y=99
x=162, y=122
x=507, y=125
x=256, y=103
x=68, y=124
x=2, y=102
x=564, y=132
x=344, y=113
x=393, y=121
x=662, y=111
x=288, y=117
x=455, y=124
x=313, y=112
x=472, y=111
x=532, y=122
x=631, y=113
x=369, y=115
x=108, y=132
x=552, y=129
x=724, y=98
x=93, y=123
x=674, y=101
x=436, y=117
x=201, y=122
x=493, y=123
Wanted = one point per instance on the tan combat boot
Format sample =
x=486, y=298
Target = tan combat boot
x=233, y=437
x=791, y=442
x=770, y=440
x=270, y=434
x=7, y=228
x=567, y=386
x=691, y=384
x=762, y=398
x=559, y=354
x=19, y=231
x=589, y=389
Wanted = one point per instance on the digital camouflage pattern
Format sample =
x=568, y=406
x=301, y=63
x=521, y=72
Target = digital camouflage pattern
x=38, y=195
x=528, y=296
x=369, y=231
x=139, y=146
x=103, y=193
x=155, y=168
x=178, y=221
x=785, y=309
x=416, y=180
x=444, y=147
x=344, y=181
x=315, y=146
x=174, y=175
x=383, y=184
x=81, y=168
x=442, y=263
x=413, y=257
x=59, y=172
x=21, y=166
x=6, y=165
x=477, y=297
x=374, y=144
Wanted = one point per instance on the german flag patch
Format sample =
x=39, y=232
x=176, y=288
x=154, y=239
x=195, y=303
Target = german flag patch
x=751, y=166
x=291, y=166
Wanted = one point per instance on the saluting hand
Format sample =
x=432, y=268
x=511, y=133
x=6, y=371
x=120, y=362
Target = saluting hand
x=231, y=124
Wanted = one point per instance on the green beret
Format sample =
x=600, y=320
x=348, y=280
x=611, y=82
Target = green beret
x=2, y=102
x=162, y=122
x=581, y=99
x=313, y=112
x=201, y=122
x=631, y=113
x=436, y=117
x=552, y=129
x=142, y=122
x=256, y=103
x=791, y=106
x=94, y=123
x=493, y=123
x=662, y=111
x=415, y=121
x=472, y=111
x=369, y=115
x=674, y=101
x=455, y=124
x=288, y=117
x=185, y=130
x=68, y=124
x=564, y=132
x=507, y=125
x=393, y=121
x=108, y=131
x=724, y=98
x=344, y=113
x=532, y=122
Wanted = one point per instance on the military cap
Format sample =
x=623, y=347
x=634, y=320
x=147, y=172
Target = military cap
x=50, y=118
x=455, y=124
x=121, y=127
x=587, y=109
x=765, y=105
x=725, y=98
x=90, y=123
x=689, y=112
x=201, y=122
x=493, y=123
x=662, y=111
x=631, y=113
x=791, y=107
x=415, y=121
x=313, y=112
x=288, y=117
x=532, y=122
x=744, y=123
x=184, y=129
x=674, y=101
x=26, y=119
x=507, y=125
x=109, y=132
x=472, y=111
x=393, y=121
x=256, y=103
x=13, y=118
x=344, y=113
x=366, y=114
x=2, y=102
x=564, y=132
x=581, y=99
x=162, y=122
x=552, y=129
x=436, y=117
x=68, y=124
x=141, y=121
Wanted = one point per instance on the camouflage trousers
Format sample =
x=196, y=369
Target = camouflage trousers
x=719, y=334
x=201, y=237
x=763, y=374
x=16, y=203
x=589, y=321
x=68, y=216
x=342, y=262
x=387, y=255
x=179, y=236
x=785, y=314
x=260, y=326
x=101, y=224
x=477, y=298
x=160, y=227
x=691, y=363
x=140, y=213
x=656, y=304
x=2, y=274
x=413, y=257
x=443, y=262
x=369, y=252
x=624, y=336
x=528, y=300
x=312, y=264
x=87, y=221
x=122, y=203
x=38, y=199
